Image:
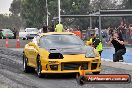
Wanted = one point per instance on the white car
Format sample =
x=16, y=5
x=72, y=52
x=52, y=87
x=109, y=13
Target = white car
x=28, y=33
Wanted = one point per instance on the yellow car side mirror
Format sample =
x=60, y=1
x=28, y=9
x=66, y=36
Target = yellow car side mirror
x=88, y=43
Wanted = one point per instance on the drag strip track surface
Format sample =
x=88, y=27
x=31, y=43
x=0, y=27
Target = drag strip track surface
x=12, y=76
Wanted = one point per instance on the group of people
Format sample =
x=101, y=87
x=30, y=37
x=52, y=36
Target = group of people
x=124, y=30
x=58, y=28
x=116, y=40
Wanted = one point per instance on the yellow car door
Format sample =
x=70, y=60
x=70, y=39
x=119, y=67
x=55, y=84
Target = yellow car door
x=30, y=53
x=34, y=50
x=34, y=56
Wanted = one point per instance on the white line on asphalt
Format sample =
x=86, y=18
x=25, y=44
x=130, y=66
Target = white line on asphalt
x=108, y=60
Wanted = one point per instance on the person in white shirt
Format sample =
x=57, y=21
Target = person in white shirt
x=67, y=30
x=96, y=31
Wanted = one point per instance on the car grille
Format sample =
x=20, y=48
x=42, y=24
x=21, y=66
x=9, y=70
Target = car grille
x=74, y=65
x=33, y=34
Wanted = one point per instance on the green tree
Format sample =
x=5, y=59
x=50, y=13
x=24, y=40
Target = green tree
x=76, y=7
x=14, y=20
x=10, y=22
x=33, y=12
x=105, y=5
x=126, y=4
x=15, y=7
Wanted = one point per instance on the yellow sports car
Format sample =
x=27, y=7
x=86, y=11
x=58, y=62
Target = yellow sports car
x=59, y=53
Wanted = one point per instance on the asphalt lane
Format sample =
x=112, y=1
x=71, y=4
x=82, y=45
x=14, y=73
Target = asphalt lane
x=107, y=53
x=12, y=76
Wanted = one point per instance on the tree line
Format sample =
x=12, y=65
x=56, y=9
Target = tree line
x=32, y=13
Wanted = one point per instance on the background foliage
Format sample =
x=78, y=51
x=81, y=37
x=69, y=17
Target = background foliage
x=32, y=13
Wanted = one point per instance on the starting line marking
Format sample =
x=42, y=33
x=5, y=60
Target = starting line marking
x=108, y=60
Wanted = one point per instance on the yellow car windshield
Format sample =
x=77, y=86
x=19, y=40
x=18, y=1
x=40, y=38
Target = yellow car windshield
x=60, y=41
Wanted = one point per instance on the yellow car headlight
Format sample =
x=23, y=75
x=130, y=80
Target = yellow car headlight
x=96, y=60
x=90, y=53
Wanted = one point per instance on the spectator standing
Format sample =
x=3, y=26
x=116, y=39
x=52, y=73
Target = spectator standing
x=59, y=27
x=15, y=33
x=129, y=33
x=52, y=29
x=67, y=30
x=96, y=31
x=110, y=31
x=77, y=33
x=121, y=29
x=44, y=30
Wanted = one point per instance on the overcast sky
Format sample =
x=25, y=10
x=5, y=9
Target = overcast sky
x=5, y=5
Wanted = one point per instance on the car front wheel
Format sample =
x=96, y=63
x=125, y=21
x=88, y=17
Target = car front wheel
x=39, y=68
x=26, y=68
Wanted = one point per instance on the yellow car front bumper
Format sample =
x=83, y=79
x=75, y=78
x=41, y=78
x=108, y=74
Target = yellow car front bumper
x=73, y=71
x=90, y=67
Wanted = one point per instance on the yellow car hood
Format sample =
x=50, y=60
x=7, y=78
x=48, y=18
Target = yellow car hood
x=72, y=53
x=71, y=50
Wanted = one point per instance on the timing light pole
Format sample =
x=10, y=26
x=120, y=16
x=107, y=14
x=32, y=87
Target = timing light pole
x=47, y=13
x=59, y=11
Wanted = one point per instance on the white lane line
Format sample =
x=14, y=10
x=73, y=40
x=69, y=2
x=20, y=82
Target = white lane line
x=108, y=60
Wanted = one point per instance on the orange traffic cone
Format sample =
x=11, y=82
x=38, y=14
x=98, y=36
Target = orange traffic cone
x=18, y=43
x=7, y=42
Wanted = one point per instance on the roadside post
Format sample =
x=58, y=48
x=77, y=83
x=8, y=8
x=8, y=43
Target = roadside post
x=18, y=42
x=7, y=41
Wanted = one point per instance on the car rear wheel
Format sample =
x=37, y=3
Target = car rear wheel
x=26, y=68
x=96, y=73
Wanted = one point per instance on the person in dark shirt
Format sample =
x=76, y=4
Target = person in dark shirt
x=45, y=29
x=52, y=29
x=119, y=46
x=15, y=33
